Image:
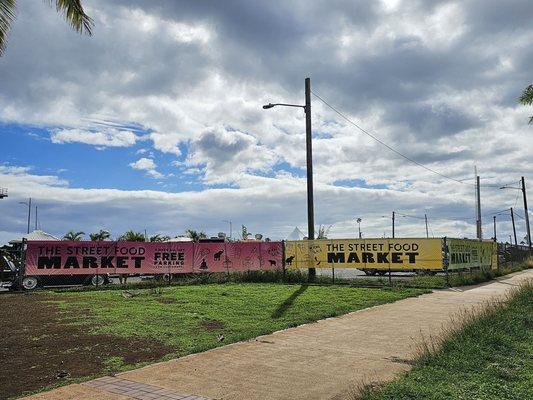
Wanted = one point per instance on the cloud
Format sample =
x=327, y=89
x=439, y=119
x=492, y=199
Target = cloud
x=272, y=206
x=227, y=154
x=148, y=165
x=106, y=138
x=437, y=80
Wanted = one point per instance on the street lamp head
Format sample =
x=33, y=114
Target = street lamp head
x=267, y=106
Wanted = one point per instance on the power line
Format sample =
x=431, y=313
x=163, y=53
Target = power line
x=394, y=150
x=410, y=216
x=517, y=196
x=518, y=215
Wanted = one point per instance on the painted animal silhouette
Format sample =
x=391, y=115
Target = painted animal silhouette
x=272, y=263
x=288, y=260
x=217, y=255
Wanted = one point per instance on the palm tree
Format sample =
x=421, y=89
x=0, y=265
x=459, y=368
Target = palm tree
x=527, y=98
x=159, y=238
x=71, y=235
x=100, y=236
x=72, y=10
x=195, y=235
x=132, y=236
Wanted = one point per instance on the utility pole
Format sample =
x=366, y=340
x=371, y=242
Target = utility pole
x=427, y=231
x=393, y=217
x=526, y=213
x=479, y=231
x=309, y=158
x=494, y=218
x=29, y=214
x=230, y=228
x=514, y=228
x=309, y=147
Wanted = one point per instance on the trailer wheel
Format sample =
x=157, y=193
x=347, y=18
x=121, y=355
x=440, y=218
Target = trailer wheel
x=98, y=280
x=30, y=282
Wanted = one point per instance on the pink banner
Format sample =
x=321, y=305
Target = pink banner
x=67, y=258
x=236, y=256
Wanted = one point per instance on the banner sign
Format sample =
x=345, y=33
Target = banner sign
x=467, y=253
x=365, y=253
x=66, y=257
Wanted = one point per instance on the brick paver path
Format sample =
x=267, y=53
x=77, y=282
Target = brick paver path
x=323, y=360
x=139, y=391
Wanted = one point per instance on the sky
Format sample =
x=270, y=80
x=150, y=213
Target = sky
x=156, y=123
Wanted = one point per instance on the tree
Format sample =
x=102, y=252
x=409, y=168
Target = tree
x=244, y=233
x=195, y=235
x=71, y=235
x=527, y=98
x=100, y=236
x=323, y=232
x=72, y=11
x=132, y=236
x=159, y=238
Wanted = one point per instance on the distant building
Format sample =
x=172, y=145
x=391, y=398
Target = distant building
x=35, y=235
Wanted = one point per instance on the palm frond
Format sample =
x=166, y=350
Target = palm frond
x=73, y=12
x=7, y=16
x=527, y=96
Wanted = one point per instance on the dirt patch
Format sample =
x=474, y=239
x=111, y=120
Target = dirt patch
x=39, y=348
x=212, y=324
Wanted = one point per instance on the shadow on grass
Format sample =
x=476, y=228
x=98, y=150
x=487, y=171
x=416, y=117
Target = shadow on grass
x=283, y=307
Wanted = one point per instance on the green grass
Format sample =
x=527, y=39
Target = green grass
x=190, y=318
x=460, y=278
x=295, y=276
x=489, y=356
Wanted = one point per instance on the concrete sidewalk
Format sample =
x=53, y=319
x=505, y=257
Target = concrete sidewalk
x=323, y=360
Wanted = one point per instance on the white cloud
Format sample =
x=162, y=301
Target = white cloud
x=106, y=138
x=228, y=154
x=148, y=165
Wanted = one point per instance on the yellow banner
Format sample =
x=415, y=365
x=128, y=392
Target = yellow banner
x=397, y=254
x=468, y=253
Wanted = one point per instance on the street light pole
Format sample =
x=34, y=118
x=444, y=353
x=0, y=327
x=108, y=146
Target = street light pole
x=230, y=228
x=494, y=218
x=514, y=229
x=29, y=215
x=526, y=216
x=526, y=213
x=359, y=226
x=29, y=212
x=393, y=218
x=479, y=224
x=309, y=159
